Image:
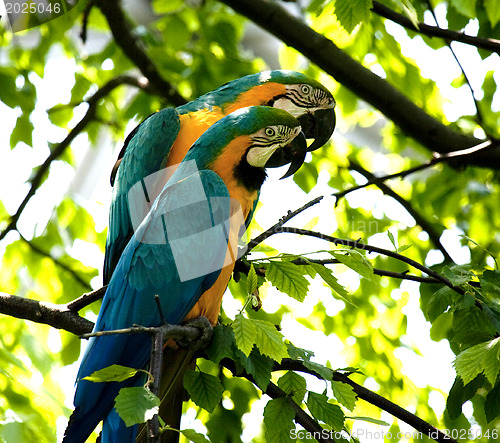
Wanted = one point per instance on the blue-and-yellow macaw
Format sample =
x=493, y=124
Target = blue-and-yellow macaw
x=163, y=139
x=192, y=224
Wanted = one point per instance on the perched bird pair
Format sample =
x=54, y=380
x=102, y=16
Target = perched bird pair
x=178, y=241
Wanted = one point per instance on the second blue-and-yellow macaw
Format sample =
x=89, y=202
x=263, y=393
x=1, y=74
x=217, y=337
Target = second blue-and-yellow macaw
x=182, y=251
x=163, y=139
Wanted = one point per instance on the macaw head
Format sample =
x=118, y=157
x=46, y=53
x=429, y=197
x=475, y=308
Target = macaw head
x=298, y=94
x=243, y=144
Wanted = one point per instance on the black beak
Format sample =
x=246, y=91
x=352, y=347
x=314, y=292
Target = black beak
x=293, y=153
x=318, y=125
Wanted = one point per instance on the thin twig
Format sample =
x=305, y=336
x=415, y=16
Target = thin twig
x=358, y=245
x=57, y=262
x=450, y=157
x=405, y=276
x=85, y=20
x=419, y=219
x=376, y=271
x=479, y=114
x=489, y=44
x=86, y=299
x=276, y=227
x=176, y=332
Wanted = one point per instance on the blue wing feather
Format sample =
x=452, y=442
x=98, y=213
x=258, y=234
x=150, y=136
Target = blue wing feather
x=145, y=153
x=145, y=269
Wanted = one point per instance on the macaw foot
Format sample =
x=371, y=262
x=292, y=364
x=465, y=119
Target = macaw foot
x=203, y=325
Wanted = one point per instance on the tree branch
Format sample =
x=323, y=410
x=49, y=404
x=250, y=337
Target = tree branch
x=456, y=158
x=358, y=245
x=177, y=332
x=334, y=261
x=133, y=49
x=276, y=227
x=372, y=398
x=412, y=120
x=419, y=219
x=432, y=31
x=59, y=149
x=57, y=316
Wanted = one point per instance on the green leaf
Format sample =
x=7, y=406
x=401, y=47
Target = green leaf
x=245, y=333
x=490, y=283
x=344, y=394
x=204, y=389
x=393, y=241
x=176, y=32
x=324, y=372
x=465, y=7
x=223, y=344
x=481, y=358
x=439, y=303
x=459, y=274
x=60, y=115
x=489, y=89
x=288, y=279
x=112, y=373
x=278, y=420
x=492, y=404
x=8, y=91
x=352, y=12
x=324, y=411
x=136, y=405
x=251, y=280
x=298, y=353
x=259, y=366
x=370, y=420
x=441, y=327
x=409, y=10
x=459, y=394
x=293, y=384
x=356, y=261
x=270, y=340
x=22, y=132
x=194, y=436
x=403, y=248
x=330, y=280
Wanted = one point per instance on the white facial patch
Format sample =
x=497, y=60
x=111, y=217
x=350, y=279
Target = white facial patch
x=258, y=156
x=288, y=106
x=265, y=146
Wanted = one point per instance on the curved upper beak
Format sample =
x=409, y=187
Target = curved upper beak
x=318, y=125
x=293, y=153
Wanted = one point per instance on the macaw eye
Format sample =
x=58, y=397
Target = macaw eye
x=270, y=132
x=306, y=89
